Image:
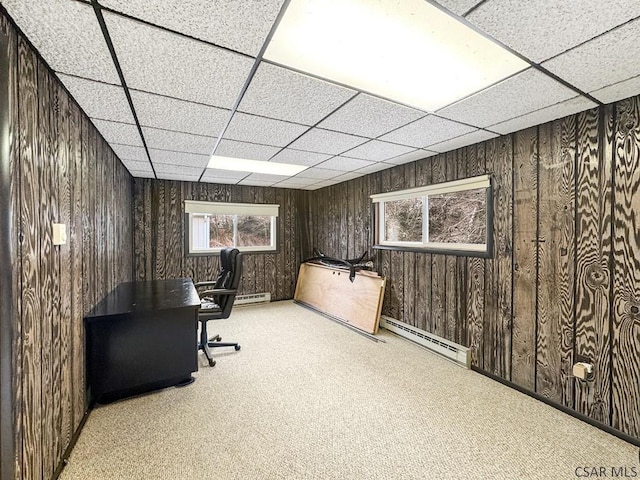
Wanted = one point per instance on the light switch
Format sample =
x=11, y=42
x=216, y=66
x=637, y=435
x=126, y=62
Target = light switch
x=59, y=234
x=582, y=370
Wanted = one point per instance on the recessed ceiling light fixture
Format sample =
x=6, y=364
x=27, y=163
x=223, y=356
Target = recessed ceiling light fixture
x=254, y=166
x=409, y=51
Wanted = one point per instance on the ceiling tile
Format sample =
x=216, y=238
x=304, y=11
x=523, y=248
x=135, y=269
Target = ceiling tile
x=462, y=141
x=178, y=142
x=376, y=167
x=523, y=93
x=280, y=93
x=265, y=177
x=426, y=131
x=99, y=100
x=267, y=131
x=542, y=29
x=138, y=166
x=177, y=172
x=127, y=152
x=377, y=151
x=601, y=62
x=241, y=26
x=326, y=183
x=618, y=91
x=179, y=115
x=255, y=183
x=178, y=169
x=175, y=65
x=122, y=133
x=295, y=182
x=348, y=176
x=319, y=173
x=214, y=174
x=410, y=157
x=142, y=174
x=298, y=157
x=369, y=116
x=559, y=110
x=179, y=158
x=67, y=35
x=344, y=164
x=180, y=177
x=326, y=141
x=248, y=151
x=459, y=7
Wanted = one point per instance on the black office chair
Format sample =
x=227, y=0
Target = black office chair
x=216, y=303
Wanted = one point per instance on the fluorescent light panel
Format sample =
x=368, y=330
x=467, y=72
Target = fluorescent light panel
x=410, y=52
x=255, y=166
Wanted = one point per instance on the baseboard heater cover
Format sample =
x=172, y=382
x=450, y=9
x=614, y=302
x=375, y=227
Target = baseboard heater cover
x=264, y=297
x=453, y=351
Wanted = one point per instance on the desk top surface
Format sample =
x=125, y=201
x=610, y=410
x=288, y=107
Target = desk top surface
x=154, y=295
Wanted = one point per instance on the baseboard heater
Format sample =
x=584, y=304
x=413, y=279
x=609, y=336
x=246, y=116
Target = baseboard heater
x=450, y=350
x=253, y=298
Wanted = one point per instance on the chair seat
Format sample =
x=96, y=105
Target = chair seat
x=209, y=307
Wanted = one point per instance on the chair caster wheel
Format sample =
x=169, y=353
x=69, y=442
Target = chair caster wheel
x=212, y=363
x=237, y=347
x=215, y=338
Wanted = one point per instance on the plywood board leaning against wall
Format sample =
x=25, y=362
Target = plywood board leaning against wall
x=329, y=291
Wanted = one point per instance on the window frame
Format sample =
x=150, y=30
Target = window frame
x=484, y=250
x=193, y=207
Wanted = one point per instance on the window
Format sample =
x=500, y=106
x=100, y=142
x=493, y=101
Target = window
x=247, y=226
x=452, y=216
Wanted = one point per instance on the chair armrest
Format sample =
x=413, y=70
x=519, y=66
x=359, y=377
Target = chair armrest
x=204, y=284
x=219, y=291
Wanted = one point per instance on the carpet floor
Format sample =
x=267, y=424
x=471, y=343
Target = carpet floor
x=307, y=398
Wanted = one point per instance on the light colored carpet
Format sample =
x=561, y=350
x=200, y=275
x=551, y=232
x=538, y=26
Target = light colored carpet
x=307, y=398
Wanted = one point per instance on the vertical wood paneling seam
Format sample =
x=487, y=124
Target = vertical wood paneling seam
x=603, y=130
x=576, y=224
x=537, y=270
x=513, y=232
x=485, y=261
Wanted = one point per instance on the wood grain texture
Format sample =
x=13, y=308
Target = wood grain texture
x=423, y=262
x=593, y=275
x=556, y=260
x=32, y=424
x=475, y=274
x=65, y=174
x=258, y=197
x=525, y=200
x=460, y=324
x=159, y=226
x=11, y=57
x=439, y=265
x=625, y=368
x=451, y=265
x=498, y=287
x=76, y=249
x=173, y=231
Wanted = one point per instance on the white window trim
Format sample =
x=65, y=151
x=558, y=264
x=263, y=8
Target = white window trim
x=223, y=208
x=472, y=183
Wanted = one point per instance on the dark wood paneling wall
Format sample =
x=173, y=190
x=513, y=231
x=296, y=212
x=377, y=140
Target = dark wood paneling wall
x=160, y=232
x=564, y=279
x=62, y=172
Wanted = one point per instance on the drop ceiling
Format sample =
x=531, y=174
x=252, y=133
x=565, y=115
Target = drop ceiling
x=190, y=78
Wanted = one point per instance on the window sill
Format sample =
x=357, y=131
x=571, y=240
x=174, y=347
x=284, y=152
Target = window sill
x=435, y=250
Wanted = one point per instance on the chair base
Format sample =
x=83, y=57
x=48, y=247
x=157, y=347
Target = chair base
x=205, y=344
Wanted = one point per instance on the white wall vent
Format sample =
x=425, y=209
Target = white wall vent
x=453, y=351
x=253, y=298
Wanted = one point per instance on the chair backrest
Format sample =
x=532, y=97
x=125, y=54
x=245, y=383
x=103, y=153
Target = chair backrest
x=228, y=277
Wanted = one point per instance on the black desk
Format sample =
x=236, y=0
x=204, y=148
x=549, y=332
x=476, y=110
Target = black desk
x=142, y=336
